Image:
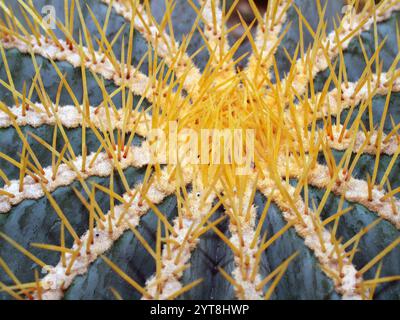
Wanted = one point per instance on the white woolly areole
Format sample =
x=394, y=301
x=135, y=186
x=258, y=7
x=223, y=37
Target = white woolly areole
x=57, y=280
x=71, y=117
x=245, y=265
x=266, y=39
x=348, y=279
x=166, y=48
x=356, y=190
x=351, y=21
x=349, y=95
x=138, y=83
x=177, y=256
x=102, y=167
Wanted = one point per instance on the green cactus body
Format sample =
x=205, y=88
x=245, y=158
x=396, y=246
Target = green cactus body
x=86, y=212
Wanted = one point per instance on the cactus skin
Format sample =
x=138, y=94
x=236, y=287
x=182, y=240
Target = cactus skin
x=36, y=221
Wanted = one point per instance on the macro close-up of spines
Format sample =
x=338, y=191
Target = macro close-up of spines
x=199, y=150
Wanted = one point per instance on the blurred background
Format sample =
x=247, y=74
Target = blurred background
x=246, y=12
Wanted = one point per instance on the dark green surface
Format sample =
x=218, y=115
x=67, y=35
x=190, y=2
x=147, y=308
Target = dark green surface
x=35, y=221
x=129, y=255
x=310, y=282
x=210, y=254
x=370, y=245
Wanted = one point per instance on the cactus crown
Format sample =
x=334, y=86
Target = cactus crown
x=240, y=143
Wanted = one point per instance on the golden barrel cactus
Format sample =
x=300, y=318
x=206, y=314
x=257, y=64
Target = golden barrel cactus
x=185, y=149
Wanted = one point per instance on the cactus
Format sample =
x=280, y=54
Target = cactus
x=99, y=199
